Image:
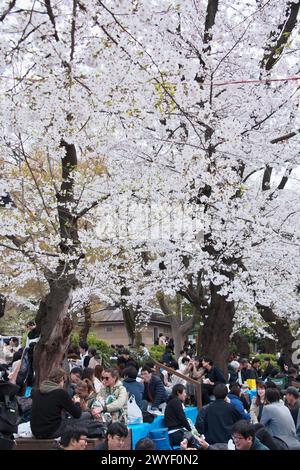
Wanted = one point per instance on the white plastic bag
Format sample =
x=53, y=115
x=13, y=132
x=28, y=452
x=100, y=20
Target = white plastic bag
x=135, y=415
x=24, y=430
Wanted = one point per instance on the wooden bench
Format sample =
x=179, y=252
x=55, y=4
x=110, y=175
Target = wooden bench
x=48, y=444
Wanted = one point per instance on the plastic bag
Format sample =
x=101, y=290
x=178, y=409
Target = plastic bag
x=135, y=415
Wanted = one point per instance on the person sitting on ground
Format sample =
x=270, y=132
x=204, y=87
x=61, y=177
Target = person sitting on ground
x=175, y=419
x=212, y=377
x=15, y=366
x=98, y=377
x=113, y=398
x=258, y=402
x=246, y=371
x=94, y=358
x=269, y=369
x=243, y=435
x=124, y=360
x=10, y=349
x=183, y=354
x=167, y=357
x=292, y=376
x=234, y=397
x=292, y=402
x=75, y=377
x=145, y=350
x=48, y=403
x=33, y=335
x=154, y=390
x=219, y=417
x=277, y=419
x=84, y=354
x=162, y=339
x=145, y=444
x=255, y=368
x=132, y=386
x=233, y=370
x=87, y=394
x=73, y=438
x=115, y=437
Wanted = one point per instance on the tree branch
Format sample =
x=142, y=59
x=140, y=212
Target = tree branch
x=285, y=30
x=51, y=17
x=10, y=7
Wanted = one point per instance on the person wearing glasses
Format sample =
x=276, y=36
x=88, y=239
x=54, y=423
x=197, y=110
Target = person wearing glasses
x=112, y=399
x=73, y=438
x=115, y=437
x=243, y=436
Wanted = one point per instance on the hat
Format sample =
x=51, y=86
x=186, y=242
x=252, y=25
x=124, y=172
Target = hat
x=293, y=391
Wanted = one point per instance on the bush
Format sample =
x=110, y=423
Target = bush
x=156, y=352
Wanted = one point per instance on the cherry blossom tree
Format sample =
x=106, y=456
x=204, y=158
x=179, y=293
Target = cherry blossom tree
x=168, y=109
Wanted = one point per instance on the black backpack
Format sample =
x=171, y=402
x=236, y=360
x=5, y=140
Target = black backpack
x=9, y=409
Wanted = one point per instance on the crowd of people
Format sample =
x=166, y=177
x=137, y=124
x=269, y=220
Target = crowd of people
x=92, y=400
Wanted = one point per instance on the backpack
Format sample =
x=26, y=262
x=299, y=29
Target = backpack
x=9, y=409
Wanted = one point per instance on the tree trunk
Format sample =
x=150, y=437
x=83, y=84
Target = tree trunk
x=87, y=323
x=2, y=305
x=241, y=344
x=55, y=326
x=179, y=327
x=217, y=328
x=281, y=329
x=179, y=332
x=53, y=320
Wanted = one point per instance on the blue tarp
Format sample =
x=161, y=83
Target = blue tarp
x=138, y=431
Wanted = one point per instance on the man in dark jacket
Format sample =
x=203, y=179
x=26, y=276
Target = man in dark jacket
x=269, y=370
x=213, y=376
x=154, y=390
x=132, y=386
x=48, y=403
x=219, y=417
x=124, y=360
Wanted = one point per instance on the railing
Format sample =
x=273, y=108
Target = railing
x=184, y=377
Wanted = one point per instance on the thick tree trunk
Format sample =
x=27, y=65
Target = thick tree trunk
x=217, y=328
x=241, y=344
x=87, y=323
x=281, y=329
x=55, y=326
x=53, y=318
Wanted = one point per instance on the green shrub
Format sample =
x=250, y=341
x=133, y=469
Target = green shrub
x=74, y=338
x=156, y=352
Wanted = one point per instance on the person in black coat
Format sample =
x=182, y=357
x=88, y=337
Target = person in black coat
x=212, y=377
x=124, y=360
x=219, y=417
x=48, y=403
x=154, y=391
x=175, y=419
x=269, y=370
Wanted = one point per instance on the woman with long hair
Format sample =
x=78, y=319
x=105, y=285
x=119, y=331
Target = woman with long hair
x=258, y=403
